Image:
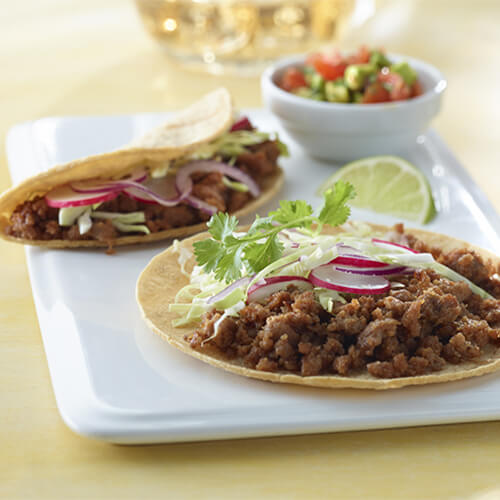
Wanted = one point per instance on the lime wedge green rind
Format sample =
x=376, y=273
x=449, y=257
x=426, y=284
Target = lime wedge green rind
x=388, y=185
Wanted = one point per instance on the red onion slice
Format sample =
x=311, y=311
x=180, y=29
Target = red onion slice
x=242, y=124
x=103, y=186
x=241, y=283
x=135, y=187
x=183, y=175
x=267, y=286
x=64, y=196
x=390, y=245
x=163, y=187
x=328, y=277
x=201, y=205
x=372, y=271
x=184, y=182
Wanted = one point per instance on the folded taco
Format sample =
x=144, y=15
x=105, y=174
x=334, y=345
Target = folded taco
x=166, y=184
x=299, y=299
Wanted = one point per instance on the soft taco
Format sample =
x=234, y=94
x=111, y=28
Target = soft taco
x=165, y=184
x=357, y=305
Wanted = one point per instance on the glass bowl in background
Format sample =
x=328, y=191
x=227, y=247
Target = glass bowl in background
x=242, y=36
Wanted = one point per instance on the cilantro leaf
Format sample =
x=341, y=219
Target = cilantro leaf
x=335, y=211
x=260, y=255
x=226, y=254
x=230, y=265
x=208, y=253
x=260, y=224
x=292, y=211
x=222, y=225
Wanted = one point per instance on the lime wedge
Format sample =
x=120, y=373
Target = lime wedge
x=388, y=185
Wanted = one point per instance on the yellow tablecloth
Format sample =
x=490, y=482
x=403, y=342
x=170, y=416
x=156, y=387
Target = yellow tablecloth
x=93, y=57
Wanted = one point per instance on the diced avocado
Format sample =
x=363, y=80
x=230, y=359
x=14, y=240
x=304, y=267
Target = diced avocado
x=379, y=59
x=67, y=216
x=309, y=72
x=356, y=75
x=308, y=93
x=336, y=92
x=357, y=97
x=317, y=82
x=408, y=74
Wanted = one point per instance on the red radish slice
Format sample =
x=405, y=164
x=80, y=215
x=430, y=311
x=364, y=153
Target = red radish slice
x=138, y=195
x=95, y=187
x=390, y=245
x=328, y=277
x=241, y=283
x=372, y=271
x=357, y=261
x=267, y=286
x=64, y=196
x=242, y=124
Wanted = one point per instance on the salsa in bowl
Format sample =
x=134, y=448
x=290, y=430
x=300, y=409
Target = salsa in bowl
x=364, y=77
x=345, y=131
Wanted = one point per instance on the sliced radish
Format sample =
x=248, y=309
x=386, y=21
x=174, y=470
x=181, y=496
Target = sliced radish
x=267, y=286
x=241, y=283
x=64, y=196
x=94, y=187
x=357, y=261
x=390, y=245
x=387, y=270
x=329, y=277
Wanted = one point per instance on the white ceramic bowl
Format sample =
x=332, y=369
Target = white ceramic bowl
x=344, y=132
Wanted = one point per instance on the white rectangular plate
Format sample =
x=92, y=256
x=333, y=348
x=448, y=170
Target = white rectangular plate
x=116, y=381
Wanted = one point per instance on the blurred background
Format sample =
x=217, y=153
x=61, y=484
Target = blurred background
x=112, y=56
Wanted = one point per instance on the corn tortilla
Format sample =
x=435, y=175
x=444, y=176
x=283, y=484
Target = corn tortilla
x=160, y=281
x=199, y=123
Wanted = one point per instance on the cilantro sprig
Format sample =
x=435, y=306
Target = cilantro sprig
x=225, y=253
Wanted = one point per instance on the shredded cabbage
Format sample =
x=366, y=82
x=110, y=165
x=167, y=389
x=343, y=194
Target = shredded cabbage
x=302, y=253
x=84, y=222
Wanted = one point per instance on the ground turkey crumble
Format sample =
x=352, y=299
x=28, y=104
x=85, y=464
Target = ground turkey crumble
x=416, y=328
x=35, y=220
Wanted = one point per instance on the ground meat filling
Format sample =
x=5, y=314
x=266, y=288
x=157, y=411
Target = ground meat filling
x=35, y=220
x=412, y=330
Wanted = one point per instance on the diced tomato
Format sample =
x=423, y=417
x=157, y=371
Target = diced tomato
x=362, y=56
x=375, y=92
x=293, y=79
x=330, y=68
x=416, y=89
x=394, y=83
